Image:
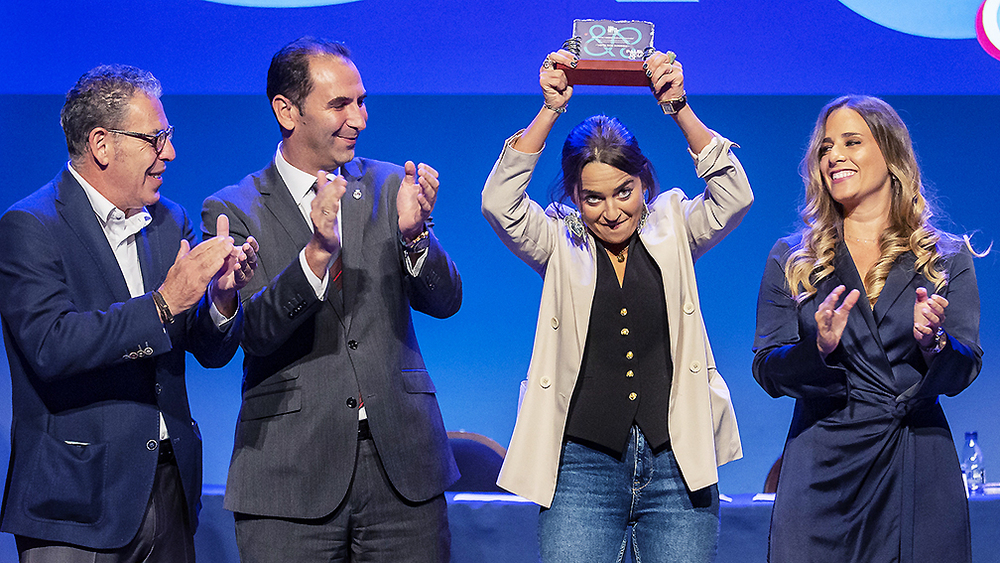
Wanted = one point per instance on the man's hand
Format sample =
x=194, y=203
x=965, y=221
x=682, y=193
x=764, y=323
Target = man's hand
x=416, y=198
x=325, y=241
x=193, y=269
x=236, y=272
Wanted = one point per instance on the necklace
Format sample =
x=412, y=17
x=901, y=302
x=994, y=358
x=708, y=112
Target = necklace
x=621, y=255
x=856, y=239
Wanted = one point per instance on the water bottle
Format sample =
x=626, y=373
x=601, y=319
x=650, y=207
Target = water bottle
x=972, y=464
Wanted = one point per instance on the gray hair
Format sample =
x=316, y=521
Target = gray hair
x=100, y=98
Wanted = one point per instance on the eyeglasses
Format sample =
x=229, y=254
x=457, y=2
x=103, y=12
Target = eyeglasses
x=158, y=140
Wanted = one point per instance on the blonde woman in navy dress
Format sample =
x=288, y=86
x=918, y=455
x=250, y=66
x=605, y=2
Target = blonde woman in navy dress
x=883, y=318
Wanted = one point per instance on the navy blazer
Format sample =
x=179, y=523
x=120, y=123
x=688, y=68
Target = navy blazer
x=91, y=367
x=307, y=360
x=869, y=471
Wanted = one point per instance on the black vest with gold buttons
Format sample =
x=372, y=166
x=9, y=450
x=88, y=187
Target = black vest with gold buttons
x=626, y=371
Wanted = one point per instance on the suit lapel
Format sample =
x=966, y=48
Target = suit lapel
x=896, y=284
x=354, y=212
x=279, y=202
x=147, y=260
x=846, y=273
x=76, y=211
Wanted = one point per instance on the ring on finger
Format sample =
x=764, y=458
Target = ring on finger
x=547, y=64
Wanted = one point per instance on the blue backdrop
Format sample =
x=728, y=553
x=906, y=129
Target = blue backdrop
x=449, y=81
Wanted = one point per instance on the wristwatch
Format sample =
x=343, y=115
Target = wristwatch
x=670, y=107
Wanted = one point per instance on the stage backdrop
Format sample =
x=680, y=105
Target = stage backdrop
x=449, y=81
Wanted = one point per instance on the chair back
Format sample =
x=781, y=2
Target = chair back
x=479, y=459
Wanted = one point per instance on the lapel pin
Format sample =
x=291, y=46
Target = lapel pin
x=357, y=194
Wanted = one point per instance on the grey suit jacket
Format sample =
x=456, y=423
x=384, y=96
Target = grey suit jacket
x=307, y=360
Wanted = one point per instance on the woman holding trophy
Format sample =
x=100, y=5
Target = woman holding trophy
x=625, y=418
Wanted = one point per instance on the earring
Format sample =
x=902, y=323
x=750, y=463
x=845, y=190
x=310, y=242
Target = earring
x=574, y=224
x=643, y=216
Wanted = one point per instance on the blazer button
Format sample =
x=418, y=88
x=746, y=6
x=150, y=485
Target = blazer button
x=545, y=382
x=352, y=344
x=695, y=366
x=158, y=388
x=352, y=402
x=632, y=396
x=151, y=445
x=554, y=322
x=688, y=307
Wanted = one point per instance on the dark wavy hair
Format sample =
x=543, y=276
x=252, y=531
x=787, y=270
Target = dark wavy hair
x=289, y=73
x=100, y=98
x=602, y=139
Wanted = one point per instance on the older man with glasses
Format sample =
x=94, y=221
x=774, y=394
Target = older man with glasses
x=104, y=293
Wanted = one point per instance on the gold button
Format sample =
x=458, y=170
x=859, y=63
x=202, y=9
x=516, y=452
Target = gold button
x=624, y=332
x=624, y=311
x=629, y=373
x=632, y=396
x=628, y=355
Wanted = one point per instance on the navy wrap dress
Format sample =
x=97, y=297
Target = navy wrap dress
x=869, y=470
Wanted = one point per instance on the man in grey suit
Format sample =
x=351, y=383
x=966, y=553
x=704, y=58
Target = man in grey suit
x=340, y=452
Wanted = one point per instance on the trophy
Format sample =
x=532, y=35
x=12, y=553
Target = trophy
x=610, y=53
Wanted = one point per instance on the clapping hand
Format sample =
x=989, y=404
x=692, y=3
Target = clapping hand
x=416, y=198
x=831, y=320
x=928, y=317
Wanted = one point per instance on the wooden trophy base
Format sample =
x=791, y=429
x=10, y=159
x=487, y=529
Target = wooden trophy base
x=606, y=73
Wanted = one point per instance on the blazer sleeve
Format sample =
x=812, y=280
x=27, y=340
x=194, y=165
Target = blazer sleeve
x=59, y=339
x=714, y=213
x=956, y=366
x=521, y=224
x=437, y=289
x=786, y=358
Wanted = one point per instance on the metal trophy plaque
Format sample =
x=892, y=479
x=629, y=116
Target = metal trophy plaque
x=611, y=52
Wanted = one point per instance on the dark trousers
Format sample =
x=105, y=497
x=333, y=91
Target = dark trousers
x=164, y=536
x=373, y=524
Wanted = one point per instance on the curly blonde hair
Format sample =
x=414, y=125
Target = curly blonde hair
x=909, y=229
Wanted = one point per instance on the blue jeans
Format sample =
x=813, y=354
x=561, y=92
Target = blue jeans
x=599, y=497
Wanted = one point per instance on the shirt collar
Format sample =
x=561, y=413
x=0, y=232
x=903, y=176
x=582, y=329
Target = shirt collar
x=299, y=183
x=113, y=220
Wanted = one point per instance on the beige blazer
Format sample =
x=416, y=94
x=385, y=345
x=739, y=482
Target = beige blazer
x=702, y=425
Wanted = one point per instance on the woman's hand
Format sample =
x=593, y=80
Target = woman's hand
x=666, y=76
x=831, y=320
x=555, y=87
x=928, y=317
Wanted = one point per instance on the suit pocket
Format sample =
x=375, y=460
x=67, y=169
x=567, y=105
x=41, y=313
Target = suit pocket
x=266, y=405
x=417, y=381
x=68, y=481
